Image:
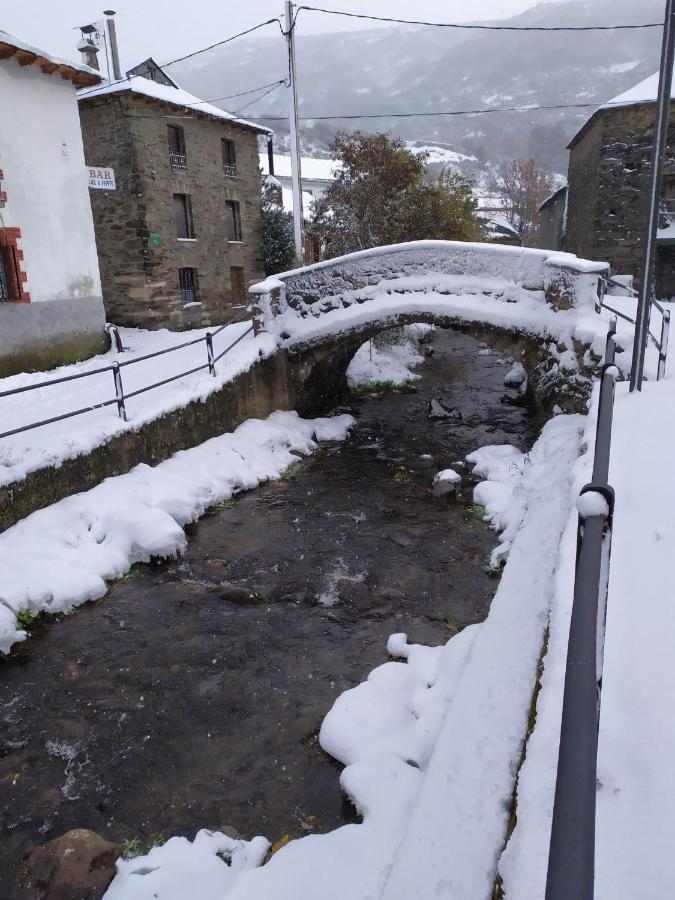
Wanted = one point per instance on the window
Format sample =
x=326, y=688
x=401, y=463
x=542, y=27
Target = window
x=187, y=279
x=237, y=286
x=182, y=208
x=11, y=287
x=229, y=158
x=232, y=220
x=176, y=140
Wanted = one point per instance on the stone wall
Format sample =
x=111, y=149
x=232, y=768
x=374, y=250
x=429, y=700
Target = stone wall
x=39, y=336
x=609, y=169
x=135, y=225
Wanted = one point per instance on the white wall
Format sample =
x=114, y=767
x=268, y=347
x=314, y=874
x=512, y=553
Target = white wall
x=45, y=179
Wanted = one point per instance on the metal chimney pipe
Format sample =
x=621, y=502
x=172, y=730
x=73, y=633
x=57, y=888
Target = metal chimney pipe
x=112, y=35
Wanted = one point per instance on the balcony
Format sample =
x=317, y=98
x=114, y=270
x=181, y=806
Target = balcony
x=178, y=162
x=230, y=171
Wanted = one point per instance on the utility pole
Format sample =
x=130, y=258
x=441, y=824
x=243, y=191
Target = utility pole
x=649, y=251
x=296, y=173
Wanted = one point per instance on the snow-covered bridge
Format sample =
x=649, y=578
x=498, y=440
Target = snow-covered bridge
x=544, y=300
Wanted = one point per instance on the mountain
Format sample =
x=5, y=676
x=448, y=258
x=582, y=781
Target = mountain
x=418, y=69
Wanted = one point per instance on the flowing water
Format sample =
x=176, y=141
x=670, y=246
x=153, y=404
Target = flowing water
x=192, y=695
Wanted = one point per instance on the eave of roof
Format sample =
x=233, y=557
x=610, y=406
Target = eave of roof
x=152, y=92
x=12, y=48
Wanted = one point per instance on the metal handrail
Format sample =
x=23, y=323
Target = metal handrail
x=660, y=344
x=571, y=862
x=121, y=397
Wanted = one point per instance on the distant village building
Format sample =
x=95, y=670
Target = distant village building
x=51, y=310
x=494, y=215
x=317, y=176
x=179, y=234
x=553, y=220
x=610, y=161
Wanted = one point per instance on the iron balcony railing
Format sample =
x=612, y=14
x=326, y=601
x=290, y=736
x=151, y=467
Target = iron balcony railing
x=571, y=862
x=230, y=171
x=121, y=396
x=178, y=161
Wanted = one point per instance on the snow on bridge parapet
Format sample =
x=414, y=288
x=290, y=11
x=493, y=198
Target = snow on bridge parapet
x=565, y=280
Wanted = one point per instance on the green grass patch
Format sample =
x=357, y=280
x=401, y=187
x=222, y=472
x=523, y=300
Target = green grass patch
x=26, y=618
x=477, y=511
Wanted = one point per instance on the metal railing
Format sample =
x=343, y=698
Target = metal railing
x=230, y=171
x=115, y=368
x=178, y=161
x=571, y=862
x=660, y=343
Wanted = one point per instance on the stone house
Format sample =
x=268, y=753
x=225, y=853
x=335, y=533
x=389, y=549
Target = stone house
x=610, y=161
x=179, y=237
x=51, y=311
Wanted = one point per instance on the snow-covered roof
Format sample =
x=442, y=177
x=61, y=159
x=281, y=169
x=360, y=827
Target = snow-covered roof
x=175, y=96
x=312, y=169
x=25, y=54
x=554, y=196
x=645, y=91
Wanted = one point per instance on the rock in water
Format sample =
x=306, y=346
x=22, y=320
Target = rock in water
x=79, y=865
x=447, y=482
x=438, y=411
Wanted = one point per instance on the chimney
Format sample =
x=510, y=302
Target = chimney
x=87, y=46
x=112, y=37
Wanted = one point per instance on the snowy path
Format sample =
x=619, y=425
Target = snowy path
x=50, y=444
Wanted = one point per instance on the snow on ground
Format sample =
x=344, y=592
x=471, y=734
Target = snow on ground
x=62, y=556
x=373, y=363
x=636, y=780
x=50, y=444
x=438, y=733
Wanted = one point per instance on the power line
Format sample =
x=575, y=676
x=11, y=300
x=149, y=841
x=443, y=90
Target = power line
x=221, y=43
x=272, y=84
x=455, y=112
x=274, y=87
x=476, y=27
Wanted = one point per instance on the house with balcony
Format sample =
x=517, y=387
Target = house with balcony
x=51, y=310
x=179, y=233
x=606, y=207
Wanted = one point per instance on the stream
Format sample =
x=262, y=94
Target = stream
x=191, y=695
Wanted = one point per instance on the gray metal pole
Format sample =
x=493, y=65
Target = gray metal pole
x=649, y=250
x=296, y=173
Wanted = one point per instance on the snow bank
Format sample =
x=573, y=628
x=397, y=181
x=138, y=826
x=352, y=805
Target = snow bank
x=61, y=556
x=393, y=362
x=430, y=745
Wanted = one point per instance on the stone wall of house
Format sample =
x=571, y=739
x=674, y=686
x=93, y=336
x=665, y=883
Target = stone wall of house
x=608, y=172
x=135, y=225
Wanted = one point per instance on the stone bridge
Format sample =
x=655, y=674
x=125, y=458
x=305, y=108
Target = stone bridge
x=527, y=302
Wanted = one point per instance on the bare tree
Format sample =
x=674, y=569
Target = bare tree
x=524, y=187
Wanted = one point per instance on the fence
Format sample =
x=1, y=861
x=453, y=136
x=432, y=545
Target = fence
x=661, y=343
x=571, y=863
x=116, y=368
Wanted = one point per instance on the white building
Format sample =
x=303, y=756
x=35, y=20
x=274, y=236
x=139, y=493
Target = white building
x=51, y=309
x=317, y=174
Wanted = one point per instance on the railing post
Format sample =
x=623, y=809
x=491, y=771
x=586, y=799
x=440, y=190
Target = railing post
x=119, y=391
x=209, y=353
x=663, y=348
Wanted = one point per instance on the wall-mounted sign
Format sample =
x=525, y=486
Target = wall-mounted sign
x=155, y=237
x=102, y=178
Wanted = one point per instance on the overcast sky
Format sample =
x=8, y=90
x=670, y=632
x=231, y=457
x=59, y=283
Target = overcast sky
x=166, y=29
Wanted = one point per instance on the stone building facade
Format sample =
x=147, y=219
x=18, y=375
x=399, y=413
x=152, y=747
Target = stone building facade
x=610, y=161
x=179, y=238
